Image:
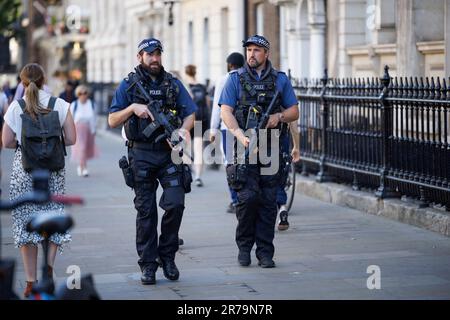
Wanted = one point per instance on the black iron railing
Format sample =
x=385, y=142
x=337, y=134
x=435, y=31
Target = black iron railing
x=388, y=134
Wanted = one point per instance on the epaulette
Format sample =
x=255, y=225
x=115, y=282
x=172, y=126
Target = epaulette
x=241, y=70
x=169, y=76
x=129, y=77
x=275, y=72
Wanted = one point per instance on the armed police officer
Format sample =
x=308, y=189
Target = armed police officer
x=149, y=155
x=256, y=86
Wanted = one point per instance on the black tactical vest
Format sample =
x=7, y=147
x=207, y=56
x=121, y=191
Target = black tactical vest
x=259, y=92
x=164, y=90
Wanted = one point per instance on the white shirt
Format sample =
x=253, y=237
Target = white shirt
x=14, y=121
x=216, y=122
x=85, y=113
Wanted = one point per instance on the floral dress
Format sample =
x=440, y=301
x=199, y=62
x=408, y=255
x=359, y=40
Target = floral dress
x=22, y=182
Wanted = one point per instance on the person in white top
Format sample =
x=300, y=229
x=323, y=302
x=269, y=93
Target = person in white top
x=84, y=115
x=36, y=102
x=234, y=61
x=3, y=107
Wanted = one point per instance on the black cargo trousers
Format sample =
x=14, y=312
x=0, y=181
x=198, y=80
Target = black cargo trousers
x=149, y=167
x=256, y=212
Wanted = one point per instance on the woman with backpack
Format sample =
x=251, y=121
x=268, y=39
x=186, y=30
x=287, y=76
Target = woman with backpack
x=84, y=116
x=26, y=123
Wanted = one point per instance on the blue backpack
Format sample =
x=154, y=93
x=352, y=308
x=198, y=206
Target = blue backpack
x=199, y=94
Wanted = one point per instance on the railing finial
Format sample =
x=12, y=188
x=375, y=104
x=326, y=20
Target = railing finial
x=324, y=79
x=386, y=77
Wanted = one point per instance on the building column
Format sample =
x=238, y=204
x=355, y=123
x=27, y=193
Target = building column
x=98, y=66
x=316, y=19
x=295, y=55
x=447, y=38
x=283, y=35
x=288, y=39
x=317, y=51
x=384, y=32
x=409, y=60
x=351, y=32
x=299, y=40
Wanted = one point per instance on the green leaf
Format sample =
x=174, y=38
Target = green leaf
x=9, y=15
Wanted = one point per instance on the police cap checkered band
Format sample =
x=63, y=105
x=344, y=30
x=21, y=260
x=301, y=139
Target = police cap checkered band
x=150, y=45
x=258, y=40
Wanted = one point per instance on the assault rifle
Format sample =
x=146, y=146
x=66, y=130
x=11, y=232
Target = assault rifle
x=160, y=119
x=164, y=119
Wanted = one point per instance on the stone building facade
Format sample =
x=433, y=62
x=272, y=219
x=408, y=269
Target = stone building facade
x=361, y=36
x=351, y=38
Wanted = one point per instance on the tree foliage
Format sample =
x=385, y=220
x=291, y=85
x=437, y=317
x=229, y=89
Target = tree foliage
x=9, y=14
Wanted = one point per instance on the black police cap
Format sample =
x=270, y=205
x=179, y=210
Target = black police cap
x=258, y=40
x=150, y=45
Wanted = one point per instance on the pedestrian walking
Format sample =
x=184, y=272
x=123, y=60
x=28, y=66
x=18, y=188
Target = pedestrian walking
x=40, y=109
x=234, y=61
x=249, y=91
x=283, y=213
x=201, y=99
x=85, y=118
x=69, y=91
x=150, y=160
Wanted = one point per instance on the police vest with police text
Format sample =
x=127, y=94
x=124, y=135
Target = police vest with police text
x=165, y=91
x=256, y=92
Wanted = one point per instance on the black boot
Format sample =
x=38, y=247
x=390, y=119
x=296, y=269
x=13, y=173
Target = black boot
x=170, y=270
x=244, y=258
x=148, y=275
x=266, y=263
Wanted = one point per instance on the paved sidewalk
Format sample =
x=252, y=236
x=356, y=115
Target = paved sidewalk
x=324, y=255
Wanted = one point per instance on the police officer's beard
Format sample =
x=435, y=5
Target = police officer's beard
x=154, y=69
x=253, y=63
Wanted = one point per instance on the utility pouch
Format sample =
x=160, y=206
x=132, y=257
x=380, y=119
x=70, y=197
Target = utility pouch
x=131, y=128
x=150, y=129
x=187, y=177
x=236, y=176
x=127, y=172
x=239, y=114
